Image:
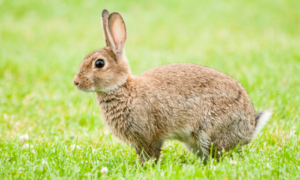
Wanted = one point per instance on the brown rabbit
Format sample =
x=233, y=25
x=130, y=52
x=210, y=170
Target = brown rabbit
x=196, y=105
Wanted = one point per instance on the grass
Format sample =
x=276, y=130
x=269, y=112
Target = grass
x=43, y=42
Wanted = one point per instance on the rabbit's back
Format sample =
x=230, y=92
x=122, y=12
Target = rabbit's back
x=191, y=77
x=195, y=81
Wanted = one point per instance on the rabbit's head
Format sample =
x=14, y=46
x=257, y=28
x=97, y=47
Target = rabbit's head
x=106, y=69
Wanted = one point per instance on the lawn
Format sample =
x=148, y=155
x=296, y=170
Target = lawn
x=43, y=42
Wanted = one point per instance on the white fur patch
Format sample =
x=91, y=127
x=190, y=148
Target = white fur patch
x=112, y=88
x=183, y=136
x=87, y=90
x=262, y=121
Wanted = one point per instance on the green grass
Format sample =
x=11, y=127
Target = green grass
x=43, y=42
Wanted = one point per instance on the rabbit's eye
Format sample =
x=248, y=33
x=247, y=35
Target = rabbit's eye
x=99, y=63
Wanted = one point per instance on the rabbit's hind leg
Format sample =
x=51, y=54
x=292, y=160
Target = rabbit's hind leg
x=151, y=150
x=201, y=145
x=194, y=148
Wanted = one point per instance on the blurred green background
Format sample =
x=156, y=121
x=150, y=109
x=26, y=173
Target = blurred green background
x=43, y=42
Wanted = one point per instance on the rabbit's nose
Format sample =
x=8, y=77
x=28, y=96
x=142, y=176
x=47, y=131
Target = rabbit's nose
x=75, y=81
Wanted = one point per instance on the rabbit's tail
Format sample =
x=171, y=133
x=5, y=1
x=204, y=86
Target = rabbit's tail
x=261, y=119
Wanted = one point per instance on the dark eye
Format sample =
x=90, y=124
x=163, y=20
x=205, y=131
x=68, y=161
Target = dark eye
x=99, y=63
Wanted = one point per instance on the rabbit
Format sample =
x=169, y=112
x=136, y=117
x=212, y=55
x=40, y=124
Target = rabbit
x=207, y=110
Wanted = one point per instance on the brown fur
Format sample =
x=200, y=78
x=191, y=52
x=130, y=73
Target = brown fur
x=196, y=105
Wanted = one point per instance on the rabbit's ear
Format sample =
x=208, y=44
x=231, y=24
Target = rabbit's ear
x=117, y=32
x=105, y=15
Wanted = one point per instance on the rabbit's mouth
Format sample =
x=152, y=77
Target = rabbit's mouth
x=83, y=85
